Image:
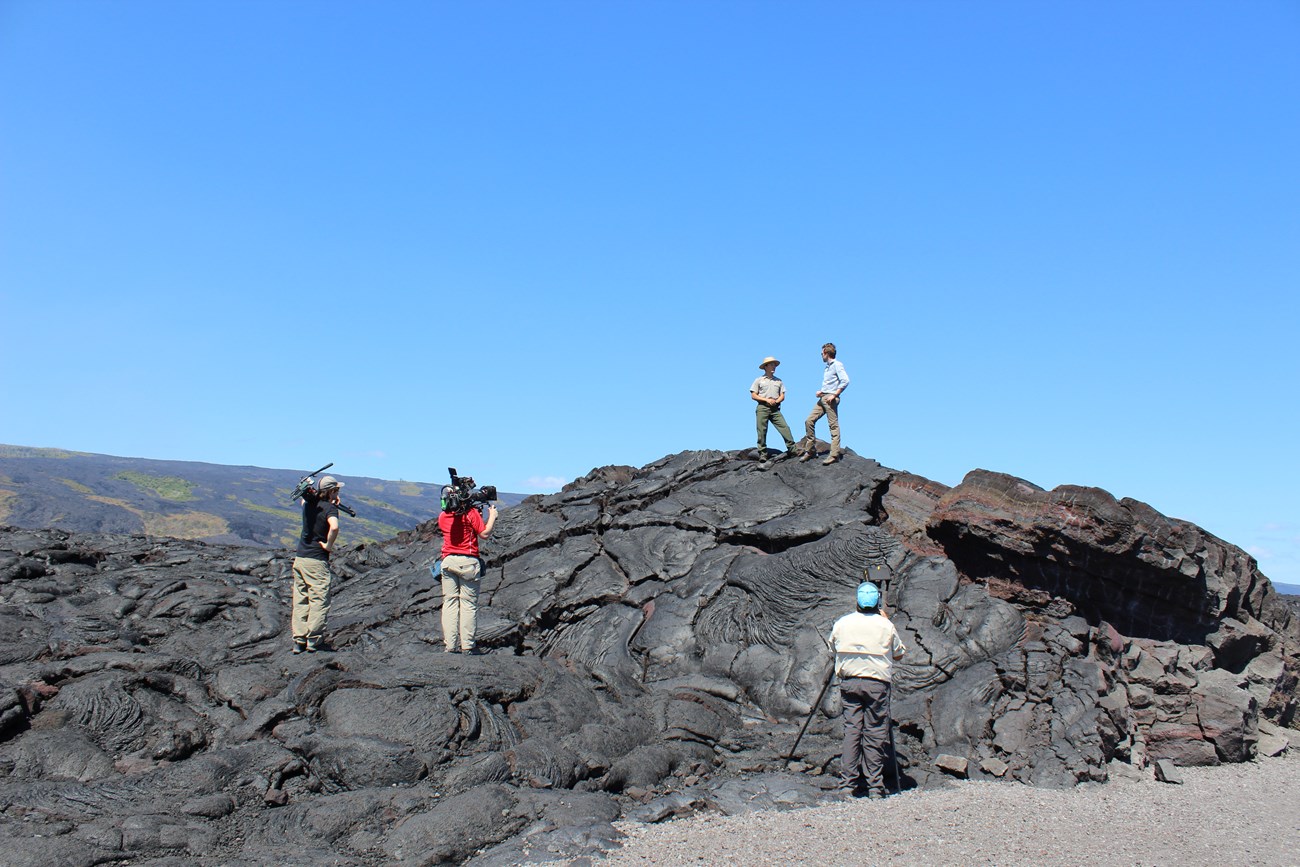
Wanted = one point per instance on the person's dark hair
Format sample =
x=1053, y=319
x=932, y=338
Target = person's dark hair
x=829, y=349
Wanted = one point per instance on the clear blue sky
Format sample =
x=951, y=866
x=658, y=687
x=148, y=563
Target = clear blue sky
x=1058, y=240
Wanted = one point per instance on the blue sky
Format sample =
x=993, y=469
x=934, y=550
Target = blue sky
x=1058, y=240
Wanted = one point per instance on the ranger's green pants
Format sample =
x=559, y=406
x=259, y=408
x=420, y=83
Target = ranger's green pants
x=762, y=415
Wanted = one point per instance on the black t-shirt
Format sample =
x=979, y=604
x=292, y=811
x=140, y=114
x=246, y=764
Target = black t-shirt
x=316, y=514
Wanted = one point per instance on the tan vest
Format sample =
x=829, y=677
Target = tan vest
x=866, y=645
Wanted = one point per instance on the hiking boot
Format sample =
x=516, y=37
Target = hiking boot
x=807, y=456
x=299, y=646
x=830, y=459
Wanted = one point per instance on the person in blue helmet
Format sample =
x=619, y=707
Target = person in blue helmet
x=866, y=645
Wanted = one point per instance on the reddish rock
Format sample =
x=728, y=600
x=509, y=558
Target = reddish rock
x=1114, y=560
x=907, y=503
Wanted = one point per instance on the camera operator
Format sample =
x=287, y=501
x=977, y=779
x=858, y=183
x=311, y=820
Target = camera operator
x=461, y=569
x=311, y=566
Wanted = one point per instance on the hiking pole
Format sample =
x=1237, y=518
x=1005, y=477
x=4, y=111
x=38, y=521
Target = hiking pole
x=893, y=752
x=818, y=703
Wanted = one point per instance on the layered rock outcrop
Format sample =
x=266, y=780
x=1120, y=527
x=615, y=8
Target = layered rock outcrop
x=657, y=639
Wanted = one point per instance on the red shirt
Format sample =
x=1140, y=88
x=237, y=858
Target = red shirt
x=460, y=532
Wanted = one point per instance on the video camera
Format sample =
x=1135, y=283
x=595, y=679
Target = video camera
x=461, y=496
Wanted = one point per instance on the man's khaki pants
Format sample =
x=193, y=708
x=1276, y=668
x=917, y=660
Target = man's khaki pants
x=829, y=407
x=311, y=599
x=460, y=580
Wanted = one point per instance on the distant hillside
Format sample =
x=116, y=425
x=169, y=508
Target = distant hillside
x=89, y=493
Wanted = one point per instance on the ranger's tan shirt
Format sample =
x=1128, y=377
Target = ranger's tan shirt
x=768, y=386
x=866, y=645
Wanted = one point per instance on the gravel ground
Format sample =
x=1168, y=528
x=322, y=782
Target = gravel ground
x=1230, y=815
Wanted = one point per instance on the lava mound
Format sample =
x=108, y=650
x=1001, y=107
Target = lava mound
x=656, y=639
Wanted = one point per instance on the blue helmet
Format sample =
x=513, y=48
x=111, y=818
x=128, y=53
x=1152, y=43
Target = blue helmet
x=868, y=595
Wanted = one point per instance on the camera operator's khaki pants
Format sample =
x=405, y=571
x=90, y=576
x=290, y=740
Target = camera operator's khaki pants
x=311, y=599
x=460, y=580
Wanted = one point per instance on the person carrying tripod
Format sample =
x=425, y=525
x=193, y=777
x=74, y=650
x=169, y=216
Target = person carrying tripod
x=311, y=565
x=866, y=645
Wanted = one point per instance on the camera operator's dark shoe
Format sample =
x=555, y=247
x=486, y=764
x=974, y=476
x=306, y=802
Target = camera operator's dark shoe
x=299, y=646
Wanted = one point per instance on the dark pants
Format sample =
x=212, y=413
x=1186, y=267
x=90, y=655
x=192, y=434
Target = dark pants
x=866, y=731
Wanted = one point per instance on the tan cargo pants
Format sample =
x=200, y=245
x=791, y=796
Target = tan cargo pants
x=829, y=407
x=311, y=599
x=460, y=582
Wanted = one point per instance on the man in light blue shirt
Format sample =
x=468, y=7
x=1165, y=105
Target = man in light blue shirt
x=834, y=381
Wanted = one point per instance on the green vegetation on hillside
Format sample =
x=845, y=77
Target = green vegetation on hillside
x=85, y=492
x=291, y=515
x=186, y=525
x=30, y=452
x=371, y=531
x=291, y=520
x=167, y=487
x=356, y=531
